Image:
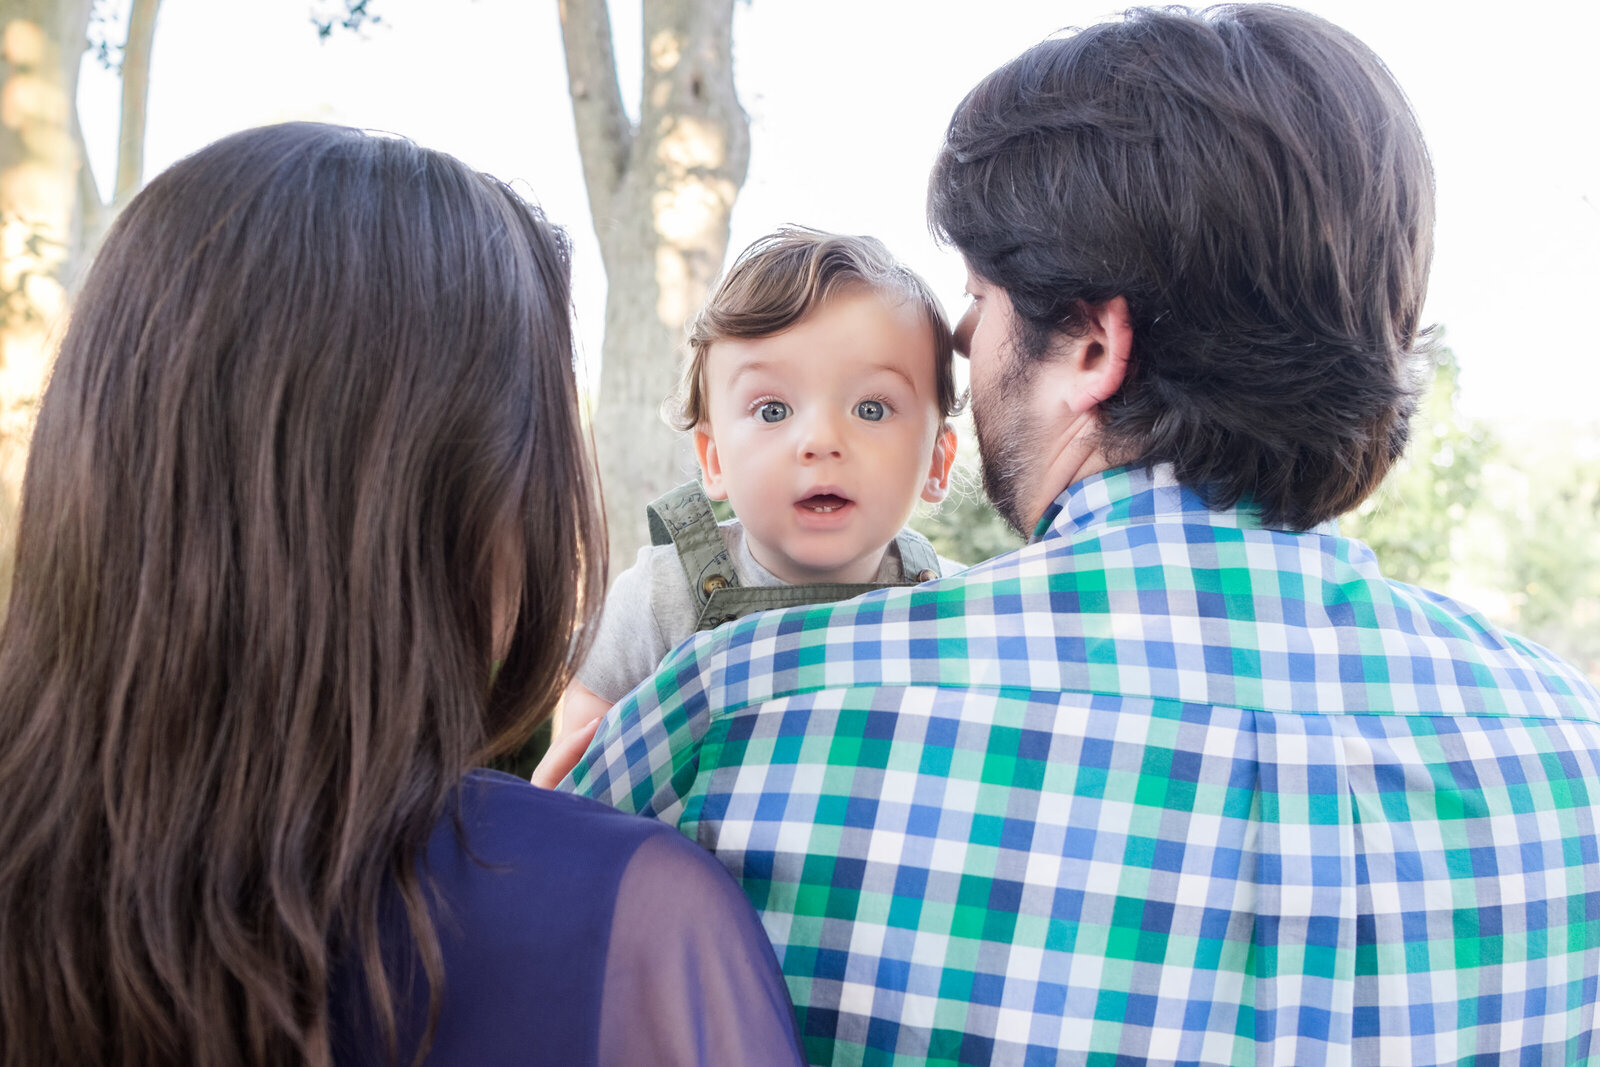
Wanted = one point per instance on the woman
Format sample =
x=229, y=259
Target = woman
x=307, y=533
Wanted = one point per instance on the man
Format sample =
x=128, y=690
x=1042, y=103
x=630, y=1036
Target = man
x=1185, y=779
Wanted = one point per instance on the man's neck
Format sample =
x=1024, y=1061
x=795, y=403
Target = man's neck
x=1072, y=457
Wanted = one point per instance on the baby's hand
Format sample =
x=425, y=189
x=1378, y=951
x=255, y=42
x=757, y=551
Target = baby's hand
x=563, y=755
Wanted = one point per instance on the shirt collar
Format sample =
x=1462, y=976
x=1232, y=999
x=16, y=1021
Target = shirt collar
x=1122, y=495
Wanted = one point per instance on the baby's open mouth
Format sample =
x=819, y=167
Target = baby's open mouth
x=823, y=503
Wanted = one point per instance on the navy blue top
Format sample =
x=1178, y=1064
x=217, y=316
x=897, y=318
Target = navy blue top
x=573, y=934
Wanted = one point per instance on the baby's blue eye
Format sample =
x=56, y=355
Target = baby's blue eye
x=871, y=410
x=773, y=411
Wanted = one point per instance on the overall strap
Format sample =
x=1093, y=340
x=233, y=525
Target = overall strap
x=726, y=605
x=918, y=561
x=682, y=518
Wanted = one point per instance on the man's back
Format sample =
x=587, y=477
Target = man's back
x=1161, y=785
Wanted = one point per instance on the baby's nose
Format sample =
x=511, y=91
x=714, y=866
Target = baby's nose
x=821, y=439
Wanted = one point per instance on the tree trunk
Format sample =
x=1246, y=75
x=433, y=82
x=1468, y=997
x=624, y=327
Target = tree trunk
x=135, y=100
x=661, y=197
x=41, y=44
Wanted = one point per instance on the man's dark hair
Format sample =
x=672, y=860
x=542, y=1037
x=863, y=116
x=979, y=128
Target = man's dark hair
x=1252, y=180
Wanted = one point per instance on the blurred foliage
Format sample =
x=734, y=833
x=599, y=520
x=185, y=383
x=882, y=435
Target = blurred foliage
x=1550, y=526
x=965, y=527
x=1506, y=521
x=108, y=29
x=352, y=15
x=1413, y=517
x=1554, y=556
x=522, y=762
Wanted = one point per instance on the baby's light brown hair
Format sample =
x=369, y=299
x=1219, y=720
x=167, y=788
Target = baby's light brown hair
x=784, y=277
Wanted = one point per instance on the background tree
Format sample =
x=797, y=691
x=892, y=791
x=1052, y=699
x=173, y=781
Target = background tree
x=51, y=211
x=41, y=43
x=133, y=62
x=660, y=193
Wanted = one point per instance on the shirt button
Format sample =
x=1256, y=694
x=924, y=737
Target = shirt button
x=927, y=576
x=713, y=583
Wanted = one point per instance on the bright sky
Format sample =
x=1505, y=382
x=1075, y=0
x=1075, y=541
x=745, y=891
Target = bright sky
x=848, y=99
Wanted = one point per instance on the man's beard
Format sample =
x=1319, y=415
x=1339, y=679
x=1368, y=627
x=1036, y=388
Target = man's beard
x=1008, y=442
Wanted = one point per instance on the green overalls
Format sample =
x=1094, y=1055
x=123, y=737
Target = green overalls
x=683, y=518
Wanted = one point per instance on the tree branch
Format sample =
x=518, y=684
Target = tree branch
x=135, y=96
x=605, y=136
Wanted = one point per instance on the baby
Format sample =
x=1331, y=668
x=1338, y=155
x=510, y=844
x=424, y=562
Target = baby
x=817, y=391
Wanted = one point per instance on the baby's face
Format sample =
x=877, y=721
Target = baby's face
x=823, y=437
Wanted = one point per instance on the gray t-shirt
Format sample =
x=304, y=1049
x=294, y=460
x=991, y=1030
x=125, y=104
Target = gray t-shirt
x=651, y=610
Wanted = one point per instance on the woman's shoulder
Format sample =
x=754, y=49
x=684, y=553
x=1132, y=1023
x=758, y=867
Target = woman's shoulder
x=523, y=886
x=560, y=919
x=523, y=853
x=506, y=820
x=526, y=886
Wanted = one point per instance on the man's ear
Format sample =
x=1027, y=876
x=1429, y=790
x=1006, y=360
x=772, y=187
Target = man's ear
x=1099, y=358
x=705, y=448
x=944, y=457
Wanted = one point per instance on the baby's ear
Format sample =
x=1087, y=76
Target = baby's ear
x=705, y=447
x=937, y=487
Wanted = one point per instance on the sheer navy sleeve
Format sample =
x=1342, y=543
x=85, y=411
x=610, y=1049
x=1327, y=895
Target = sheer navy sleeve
x=575, y=935
x=690, y=978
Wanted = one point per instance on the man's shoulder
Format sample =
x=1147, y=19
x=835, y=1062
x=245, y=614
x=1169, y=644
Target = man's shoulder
x=1216, y=615
x=1488, y=656
x=888, y=636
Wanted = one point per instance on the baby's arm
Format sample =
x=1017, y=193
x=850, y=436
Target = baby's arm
x=563, y=755
x=580, y=712
x=579, y=707
x=628, y=643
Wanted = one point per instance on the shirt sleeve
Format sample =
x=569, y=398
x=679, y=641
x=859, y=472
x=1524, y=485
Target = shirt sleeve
x=690, y=977
x=645, y=756
x=628, y=643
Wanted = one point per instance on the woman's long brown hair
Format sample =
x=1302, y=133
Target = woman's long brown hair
x=311, y=439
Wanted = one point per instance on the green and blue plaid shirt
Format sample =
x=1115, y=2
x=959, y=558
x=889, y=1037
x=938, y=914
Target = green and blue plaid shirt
x=1162, y=786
